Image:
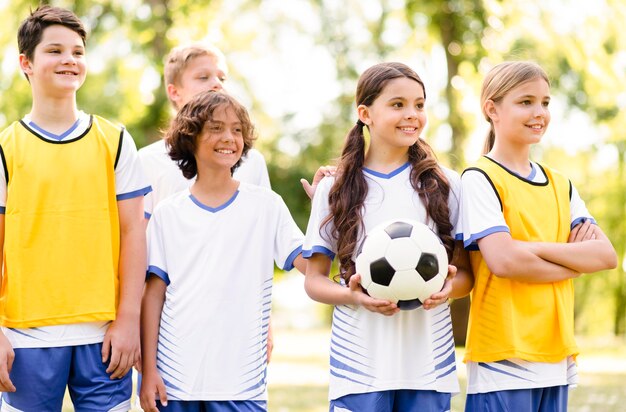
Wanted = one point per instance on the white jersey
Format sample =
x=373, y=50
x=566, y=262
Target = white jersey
x=370, y=352
x=166, y=177
x=130, y=182
x=482, y=216
x=218, y=264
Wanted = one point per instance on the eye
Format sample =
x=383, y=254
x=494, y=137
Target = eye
x=546, y=103
x=56, y=51
x=420, y=106
x=222, y=79
x=525, y=102
x=397, y=104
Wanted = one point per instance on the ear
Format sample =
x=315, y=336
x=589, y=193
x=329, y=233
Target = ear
x=364, y=114
x=172, y=93
x=25, y=65
x=491, y=110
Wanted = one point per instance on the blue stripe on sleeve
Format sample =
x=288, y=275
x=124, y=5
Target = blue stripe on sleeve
x=147, y=215
x=292, y=256
x=582, y=220
x=318, y=249
x=471, y=243
x=136, y=193
x=3, y=210
x=153, y=270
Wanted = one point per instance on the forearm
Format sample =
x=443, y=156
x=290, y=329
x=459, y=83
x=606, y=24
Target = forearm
x=585, y=257
x=132, y=266
x=463, y=281
x=322, y=289
x=151, y=308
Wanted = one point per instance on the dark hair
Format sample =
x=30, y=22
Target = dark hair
x=347, y=195
x=182, y=135
x=500, y=80
x=31, y=29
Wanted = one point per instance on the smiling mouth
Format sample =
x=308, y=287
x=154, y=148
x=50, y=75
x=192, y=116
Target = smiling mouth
x=225, y=151
x=68, y=73
x=408, y=129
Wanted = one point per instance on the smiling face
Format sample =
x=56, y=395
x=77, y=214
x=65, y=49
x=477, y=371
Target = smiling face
x=397, y=117
x=522, y=116
x=204, y=72
x=220, y=144
x=58, y=67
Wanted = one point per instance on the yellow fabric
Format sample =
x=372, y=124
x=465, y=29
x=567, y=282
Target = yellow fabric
x=62, y=241
x=511, y=319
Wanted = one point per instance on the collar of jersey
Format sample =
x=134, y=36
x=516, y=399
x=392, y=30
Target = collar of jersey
x=387, y=175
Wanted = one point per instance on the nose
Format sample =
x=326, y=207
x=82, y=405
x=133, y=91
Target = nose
x=540, y=110
x=216, y=84
x=68, y=58
x=410, y=112
x=228, y=136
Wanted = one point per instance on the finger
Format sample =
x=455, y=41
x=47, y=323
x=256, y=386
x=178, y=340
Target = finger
x=106, y=348
x=451, y=271
x=162, y=394
x=115, y=361
x=355, y=282
x=122, y=367
x=308, y=189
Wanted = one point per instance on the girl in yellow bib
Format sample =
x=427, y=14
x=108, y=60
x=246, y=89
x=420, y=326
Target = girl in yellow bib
x=529, y=235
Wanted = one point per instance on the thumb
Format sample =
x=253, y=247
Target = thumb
x=307, y=188
x=106, y=347
x=355, y=282
x=162, y=394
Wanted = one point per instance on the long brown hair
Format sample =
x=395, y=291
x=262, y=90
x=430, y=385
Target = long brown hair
x=500, y=80
x=348, y=193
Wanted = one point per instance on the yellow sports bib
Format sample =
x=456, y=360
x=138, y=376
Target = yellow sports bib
x=62, y=240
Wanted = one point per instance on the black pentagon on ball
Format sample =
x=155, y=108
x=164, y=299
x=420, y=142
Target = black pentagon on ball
x=399, y=229
x=381, y=271
x=427, y=266
x=409, y=304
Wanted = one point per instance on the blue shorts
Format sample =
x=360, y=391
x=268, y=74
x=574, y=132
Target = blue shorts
x=40, y=376
x=403, y=400
x=552, y=399
x=213, y=406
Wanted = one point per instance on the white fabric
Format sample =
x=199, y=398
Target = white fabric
x=370, y=352
x=129, y=178
x=219, y=264
x=166, y=178
x=482, y=216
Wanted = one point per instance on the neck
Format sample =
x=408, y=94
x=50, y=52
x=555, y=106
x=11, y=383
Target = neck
x=515, y=158
x=54, y=114
x=213, y=188
x=386, y=160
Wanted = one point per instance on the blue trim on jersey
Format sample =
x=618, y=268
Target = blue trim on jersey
x=387, y=175
x=147, y=215
x=3, y=210
x=458, y=236
x=318, y=249
x=214, y=209
x=533, y=172
x=582, y=220
x=53, y=136
x=472, y=241
x=23, y=333
x=136, y=193
x=292, y=256
x=160, y=273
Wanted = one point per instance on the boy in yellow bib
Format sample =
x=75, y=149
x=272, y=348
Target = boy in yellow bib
x=71, y=226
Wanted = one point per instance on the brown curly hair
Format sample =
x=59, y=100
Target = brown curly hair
x=348, y=193
x=182, y=136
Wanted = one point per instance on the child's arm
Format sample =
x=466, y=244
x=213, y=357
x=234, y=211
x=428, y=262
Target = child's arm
x=121, y=341
x=459, y=282
x=7, y=355
x=300, y=263
x=320, y=288
x=508, y=258
x=322, y=172
x=151, y=308
x=588, y=250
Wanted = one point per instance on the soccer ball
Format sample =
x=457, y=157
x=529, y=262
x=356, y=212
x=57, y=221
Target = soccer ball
x=402, y=261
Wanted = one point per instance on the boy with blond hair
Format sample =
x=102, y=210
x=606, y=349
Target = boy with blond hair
x=72, y=233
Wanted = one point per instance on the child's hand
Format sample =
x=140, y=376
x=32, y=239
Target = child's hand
x=322, y=172
x=361, y=298
x=7, y=355
x=582, y=232
x=442, y=296
x=151, y=385
x=121, y=345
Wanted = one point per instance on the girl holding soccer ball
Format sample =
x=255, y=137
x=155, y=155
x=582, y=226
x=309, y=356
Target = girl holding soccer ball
x=403, y=362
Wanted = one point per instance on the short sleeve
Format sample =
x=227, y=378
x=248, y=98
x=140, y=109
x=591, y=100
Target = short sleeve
x=253, y=169
x=481, y=214
x=318, y=238
x=130, y=180
x=578, y=209
x=289, y=238
x=157, y=263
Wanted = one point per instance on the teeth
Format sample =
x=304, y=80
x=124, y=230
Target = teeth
x=408, y=129
x=223, y=151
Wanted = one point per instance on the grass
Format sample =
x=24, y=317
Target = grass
x=298, y=375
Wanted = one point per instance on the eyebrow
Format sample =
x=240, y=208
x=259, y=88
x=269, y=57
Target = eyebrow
x=62, y=45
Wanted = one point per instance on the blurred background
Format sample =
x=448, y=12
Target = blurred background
x=294, y=64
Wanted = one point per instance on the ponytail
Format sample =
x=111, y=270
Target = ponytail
x=490, y=139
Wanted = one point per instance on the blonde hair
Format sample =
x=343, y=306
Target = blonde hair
x=500, y=80
x=179, y=57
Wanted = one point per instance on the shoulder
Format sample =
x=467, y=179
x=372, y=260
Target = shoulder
x=8, y=131
x=260, y=193
x=171, y=203
x=452, y=175
x=254, y=155
x=153, y=149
